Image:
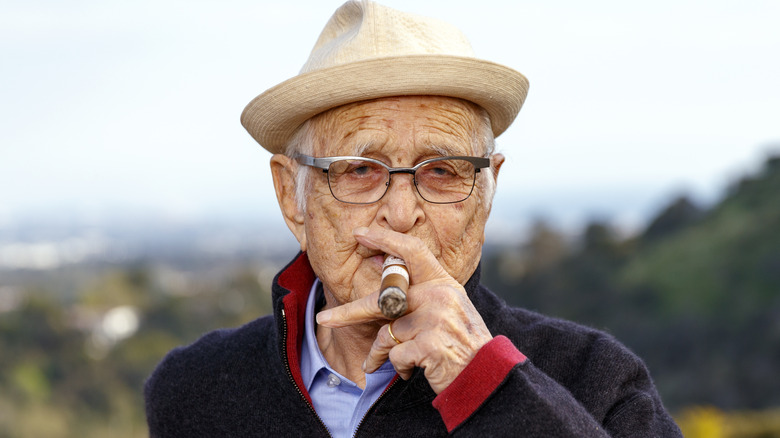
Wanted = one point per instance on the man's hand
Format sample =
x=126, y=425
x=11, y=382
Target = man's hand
x=441, y=332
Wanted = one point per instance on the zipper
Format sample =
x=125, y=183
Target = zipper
x=357, y=429
x=292, y=379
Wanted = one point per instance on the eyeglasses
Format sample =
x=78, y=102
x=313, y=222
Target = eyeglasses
x=358, y=180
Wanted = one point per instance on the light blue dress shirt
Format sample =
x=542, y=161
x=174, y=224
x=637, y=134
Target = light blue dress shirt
x=339, y=402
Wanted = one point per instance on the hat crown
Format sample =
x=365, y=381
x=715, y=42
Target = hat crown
x=366, y=30
x=368, y=51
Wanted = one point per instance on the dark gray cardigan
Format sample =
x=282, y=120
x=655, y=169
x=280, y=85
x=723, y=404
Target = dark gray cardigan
x=575, y=382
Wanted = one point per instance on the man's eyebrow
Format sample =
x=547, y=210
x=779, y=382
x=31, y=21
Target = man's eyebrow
x=444, y=150
x=361, y=148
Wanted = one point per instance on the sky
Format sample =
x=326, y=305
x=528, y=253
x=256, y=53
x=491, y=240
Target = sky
x=114, y=107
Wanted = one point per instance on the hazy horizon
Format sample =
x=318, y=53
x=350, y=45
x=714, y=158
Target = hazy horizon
x=132, y=109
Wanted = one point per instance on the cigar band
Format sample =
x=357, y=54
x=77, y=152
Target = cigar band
x=395, y=269
x=393, y=260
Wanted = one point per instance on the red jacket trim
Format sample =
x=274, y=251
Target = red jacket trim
x=474, y=385
x=297, y=278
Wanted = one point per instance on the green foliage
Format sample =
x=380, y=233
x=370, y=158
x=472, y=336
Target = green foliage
x=734, y=251
x=70, y=373
x=697, y=295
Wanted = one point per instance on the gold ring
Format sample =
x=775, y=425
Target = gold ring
x=390, y=330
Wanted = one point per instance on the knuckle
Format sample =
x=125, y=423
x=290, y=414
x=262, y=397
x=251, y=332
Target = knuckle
x=383, y=341
x=369, y=306
x=441, y=295
x=399, y=360
x=428, y=345
x=382, y=337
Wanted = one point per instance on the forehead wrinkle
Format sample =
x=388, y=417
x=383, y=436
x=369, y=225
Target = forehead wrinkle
x=453, y=121
x=449, y=124
x=349, y=130
x=441, y=140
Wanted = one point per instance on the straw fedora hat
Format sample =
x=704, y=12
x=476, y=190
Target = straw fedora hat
x=367, y=51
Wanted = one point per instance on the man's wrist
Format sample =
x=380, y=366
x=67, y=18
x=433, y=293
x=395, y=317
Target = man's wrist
x=478, y=381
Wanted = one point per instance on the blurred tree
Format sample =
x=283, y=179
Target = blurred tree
x=677, y=216
x=697, y=295
x=697, y=290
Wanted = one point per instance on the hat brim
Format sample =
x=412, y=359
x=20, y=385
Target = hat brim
x=273, y=117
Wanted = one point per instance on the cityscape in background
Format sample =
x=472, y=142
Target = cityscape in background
x=88, y=306
x=639, y=195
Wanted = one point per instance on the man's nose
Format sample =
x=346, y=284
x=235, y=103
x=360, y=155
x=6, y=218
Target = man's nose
x=401, y=207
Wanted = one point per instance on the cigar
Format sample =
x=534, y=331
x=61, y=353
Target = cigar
x=395, y=283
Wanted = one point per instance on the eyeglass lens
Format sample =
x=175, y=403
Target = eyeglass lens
x=365, y=182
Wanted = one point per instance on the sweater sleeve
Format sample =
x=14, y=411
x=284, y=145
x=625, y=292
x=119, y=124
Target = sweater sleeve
x=473, y=386
x=501, y=393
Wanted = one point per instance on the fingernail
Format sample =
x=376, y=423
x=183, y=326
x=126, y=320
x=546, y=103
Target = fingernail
x=360, y=231
x=323, y=317
x=364, y=366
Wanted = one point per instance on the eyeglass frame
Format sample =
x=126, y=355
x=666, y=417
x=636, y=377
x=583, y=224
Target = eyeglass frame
x=324, y=163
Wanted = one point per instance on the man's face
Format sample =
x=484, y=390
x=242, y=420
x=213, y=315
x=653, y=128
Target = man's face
x=401, y=132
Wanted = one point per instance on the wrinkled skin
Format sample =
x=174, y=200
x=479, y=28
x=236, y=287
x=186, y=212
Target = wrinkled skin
x=345, y=243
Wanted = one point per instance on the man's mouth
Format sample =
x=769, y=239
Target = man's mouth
x=376, y=256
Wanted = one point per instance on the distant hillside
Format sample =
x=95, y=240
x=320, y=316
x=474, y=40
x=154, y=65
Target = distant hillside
x=85, y=313
x=697, y=294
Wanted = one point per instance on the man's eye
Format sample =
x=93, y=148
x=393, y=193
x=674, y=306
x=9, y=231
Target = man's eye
x=360, y=170
x=441, y=171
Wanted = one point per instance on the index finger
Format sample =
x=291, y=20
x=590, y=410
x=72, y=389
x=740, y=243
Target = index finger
x=355, y=312
x=422, y=264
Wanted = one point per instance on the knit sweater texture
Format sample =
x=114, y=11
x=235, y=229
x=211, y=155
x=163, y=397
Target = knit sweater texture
x=539, y=377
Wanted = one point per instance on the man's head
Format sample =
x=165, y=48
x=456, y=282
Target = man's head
x=398, y=89
x=399, y=132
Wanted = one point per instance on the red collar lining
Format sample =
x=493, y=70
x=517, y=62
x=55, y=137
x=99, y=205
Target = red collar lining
x=297, y=278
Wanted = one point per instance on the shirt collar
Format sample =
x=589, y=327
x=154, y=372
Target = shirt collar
x=312, y=360
x=311, y=356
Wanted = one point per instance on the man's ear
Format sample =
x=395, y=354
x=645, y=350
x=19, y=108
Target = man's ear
x=496, y=160
x=283, y=171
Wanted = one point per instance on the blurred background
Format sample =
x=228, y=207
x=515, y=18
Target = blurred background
x=641, y=191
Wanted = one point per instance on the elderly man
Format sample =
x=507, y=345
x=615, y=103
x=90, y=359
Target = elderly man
x=384, y=145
